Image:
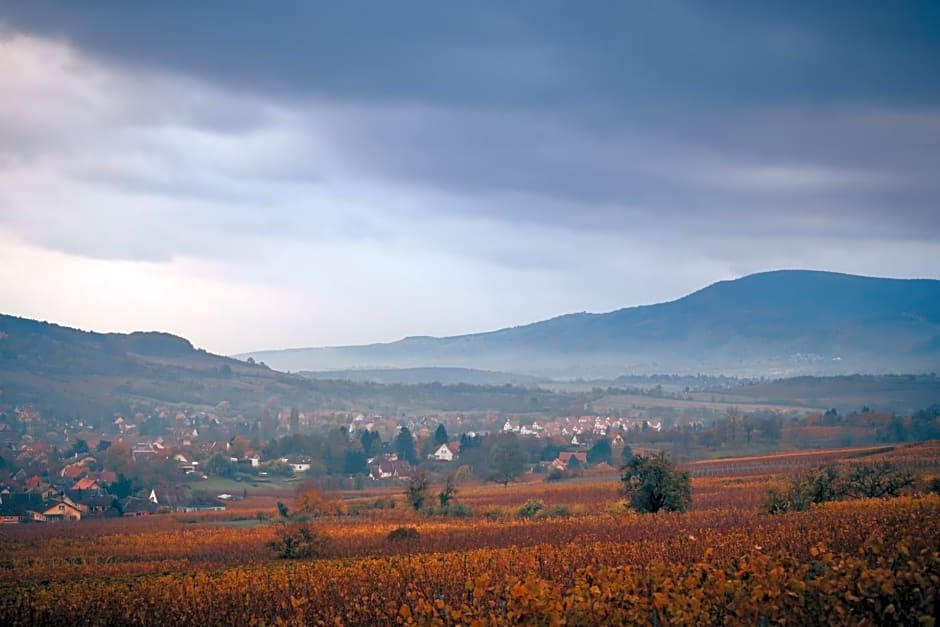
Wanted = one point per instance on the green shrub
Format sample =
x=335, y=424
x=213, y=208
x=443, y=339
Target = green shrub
x=831, y=483
x=497, y=513
x=556, y=475
x=530, y=508
x=457, y=510
x=555, y=511
x=653, y=483
x=403, y=534
x=300, y=540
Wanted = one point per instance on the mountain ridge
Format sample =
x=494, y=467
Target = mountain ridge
x=65, y=373
x=780, y=323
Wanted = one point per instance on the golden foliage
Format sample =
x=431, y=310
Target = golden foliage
x=861, y=561
x=311, y=500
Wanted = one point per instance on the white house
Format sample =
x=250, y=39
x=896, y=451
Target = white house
x=381, y=471
x=297, y=465
x=444, y=453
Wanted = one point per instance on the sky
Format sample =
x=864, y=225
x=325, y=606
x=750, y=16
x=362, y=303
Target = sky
x=266, y=175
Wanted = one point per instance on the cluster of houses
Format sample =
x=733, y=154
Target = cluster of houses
x=52, y=502
x=389, y=466
x=75, y=492
x=79, y=490
x=87, y=498
x=38, y=507
x=584, y=426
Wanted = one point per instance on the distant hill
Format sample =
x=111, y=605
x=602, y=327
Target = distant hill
x=781, y=323
x=67, y=372
x=900, y=394
x=414, y=376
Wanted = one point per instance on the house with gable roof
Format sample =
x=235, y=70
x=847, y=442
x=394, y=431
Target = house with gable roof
x=563, y=461
x=86, y=483
x=61, y=508
x=445, y=452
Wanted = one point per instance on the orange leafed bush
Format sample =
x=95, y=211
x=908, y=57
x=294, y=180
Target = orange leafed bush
x=311, y=500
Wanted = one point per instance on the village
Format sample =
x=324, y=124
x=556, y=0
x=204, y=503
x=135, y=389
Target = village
x=179, y=460
x=162, y=462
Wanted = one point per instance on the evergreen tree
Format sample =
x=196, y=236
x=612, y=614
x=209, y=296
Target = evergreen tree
x=371, y=443
x=600, y=452
x=440, y=435
x=405, y=446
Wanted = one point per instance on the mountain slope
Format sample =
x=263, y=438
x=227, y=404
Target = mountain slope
x=69, y=373
x=416, y=376
x=66, y=371
x=776, y=323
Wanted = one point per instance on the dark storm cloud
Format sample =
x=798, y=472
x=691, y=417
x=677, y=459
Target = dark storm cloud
x=532, y=169
x=489, y=129
x=604, y=114
x=546, y=55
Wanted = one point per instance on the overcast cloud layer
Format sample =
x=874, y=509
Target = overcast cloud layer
x=254, y=176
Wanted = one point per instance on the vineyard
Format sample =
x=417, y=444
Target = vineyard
x=864, y=561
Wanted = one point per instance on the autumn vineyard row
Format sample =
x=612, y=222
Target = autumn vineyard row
x=874, y=562
x=594, y=561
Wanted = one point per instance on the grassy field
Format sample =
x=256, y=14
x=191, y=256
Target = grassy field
x=254, y=486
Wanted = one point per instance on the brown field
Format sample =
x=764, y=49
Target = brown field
x=591, y=562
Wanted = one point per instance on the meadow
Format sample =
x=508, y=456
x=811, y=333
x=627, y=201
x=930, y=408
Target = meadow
x=583, y=558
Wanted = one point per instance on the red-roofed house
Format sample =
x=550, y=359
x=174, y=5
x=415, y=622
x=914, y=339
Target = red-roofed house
x=74, y=471
x=107, y=476
x=565, y=457
x=86, y=483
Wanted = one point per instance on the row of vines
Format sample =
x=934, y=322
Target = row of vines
x=853, y=562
